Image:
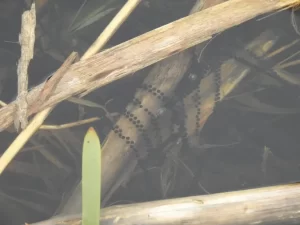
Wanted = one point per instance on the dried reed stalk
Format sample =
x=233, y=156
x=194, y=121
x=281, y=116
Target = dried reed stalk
x=117, y=157
x=24, y=136
x=111, y=28
x=149, y=48
x=269, y=205
x=50, y=86
x=26, y=39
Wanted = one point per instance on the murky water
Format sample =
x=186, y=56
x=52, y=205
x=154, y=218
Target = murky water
x=220, y=117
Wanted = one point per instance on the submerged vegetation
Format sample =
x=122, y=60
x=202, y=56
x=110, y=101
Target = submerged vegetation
x=229, y=121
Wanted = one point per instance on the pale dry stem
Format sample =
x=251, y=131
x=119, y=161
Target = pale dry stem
x=69, y=125
x=39, y=118
x=26, y=39
x=33, y=126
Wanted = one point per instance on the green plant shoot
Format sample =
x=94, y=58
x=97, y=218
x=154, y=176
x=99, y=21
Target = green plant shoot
x=91, y=178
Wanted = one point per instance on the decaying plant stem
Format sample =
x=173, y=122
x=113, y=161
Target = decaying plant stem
x=268, y=205
x=23, y=137
x=26, y=39
x=149, y=48
x=118, y=159
x=69, y=125
x=50, y=87
x=52, y=83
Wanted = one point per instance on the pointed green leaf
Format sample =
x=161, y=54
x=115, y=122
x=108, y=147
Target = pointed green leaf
x=91, y=178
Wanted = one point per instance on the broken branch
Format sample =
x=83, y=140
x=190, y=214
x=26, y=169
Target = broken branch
x=268, y=205
x=149, y=48
x=26, y=39
x=22, y=138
